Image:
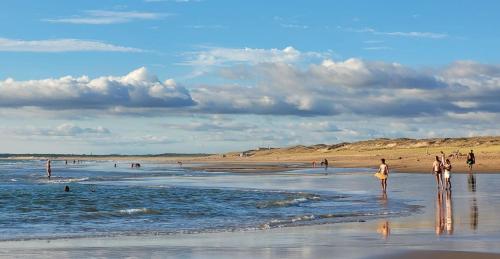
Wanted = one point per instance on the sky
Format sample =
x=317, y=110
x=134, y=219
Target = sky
x=210, y=76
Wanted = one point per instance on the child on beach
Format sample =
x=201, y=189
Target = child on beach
x=447, y=174
x=436, y=169
x=384, y=171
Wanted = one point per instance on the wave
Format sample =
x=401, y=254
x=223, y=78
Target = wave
x=69, y=180
x=287, y=202
x=135, y=211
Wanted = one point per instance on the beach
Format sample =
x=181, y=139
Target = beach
x=405, y=155
x=412, y=220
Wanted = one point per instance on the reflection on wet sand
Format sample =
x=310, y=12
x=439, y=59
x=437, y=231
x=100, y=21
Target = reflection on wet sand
x=474, y=214
x=449, y=213
x=383, y=226
x=383, y=229
x=471, y=182
x=444, y=213
x=383, y=199
x=439, y=224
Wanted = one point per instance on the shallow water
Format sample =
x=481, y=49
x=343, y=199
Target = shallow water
x=166, y=199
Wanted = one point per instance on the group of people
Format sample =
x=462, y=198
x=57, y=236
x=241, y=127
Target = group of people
x=441, y=166
x=324, y=163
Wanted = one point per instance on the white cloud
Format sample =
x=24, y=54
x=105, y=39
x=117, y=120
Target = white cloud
x=224, y=56
x=65, y=129
x=60, y=45
x=408, y=34
x=137, y=89
x=97, y=17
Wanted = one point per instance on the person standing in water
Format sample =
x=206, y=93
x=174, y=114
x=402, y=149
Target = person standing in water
x=384, y=170
x=326, y=164
x=471, y=159
x=49, y=169
x=436, y=169
x=447, y=174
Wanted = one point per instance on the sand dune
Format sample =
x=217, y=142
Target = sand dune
x=409, y=155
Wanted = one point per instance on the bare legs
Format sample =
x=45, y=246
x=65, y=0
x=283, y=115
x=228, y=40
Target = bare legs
x=439, y=180
x=448, y=183
x=384, y=185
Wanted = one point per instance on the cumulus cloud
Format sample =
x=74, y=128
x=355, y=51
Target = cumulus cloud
x=138, y=89
x=351, y=86
x=60, y=45
x=275, y=82
x=96, y=17
x=327, y=88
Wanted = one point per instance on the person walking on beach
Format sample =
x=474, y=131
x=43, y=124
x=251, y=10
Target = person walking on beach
x=326, y=164
x=436, y=169
x=447, y=174
x=471, y=159
x=48, y=169
x=383, y=170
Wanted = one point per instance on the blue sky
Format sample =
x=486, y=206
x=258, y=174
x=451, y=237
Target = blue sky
x=154, y=76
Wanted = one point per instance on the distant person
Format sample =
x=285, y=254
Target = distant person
x=74, y=161
x=179, y=163
x=66, y=162
x=66, y=188
x=436, y=169
x=447, y=174
x=383, y=172
x=471, y=159
x=48, y=169
x=325, y=162
x=115, y=165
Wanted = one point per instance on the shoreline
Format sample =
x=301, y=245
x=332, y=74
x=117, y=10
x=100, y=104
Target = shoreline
x=253, y=165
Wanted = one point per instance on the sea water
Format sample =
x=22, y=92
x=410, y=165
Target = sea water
x=162, y=199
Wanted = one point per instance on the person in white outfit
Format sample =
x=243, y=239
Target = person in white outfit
x=447, y=174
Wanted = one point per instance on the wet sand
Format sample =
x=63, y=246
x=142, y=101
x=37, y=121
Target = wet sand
x=459, y=224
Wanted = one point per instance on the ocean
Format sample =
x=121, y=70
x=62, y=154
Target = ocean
x=164, y=199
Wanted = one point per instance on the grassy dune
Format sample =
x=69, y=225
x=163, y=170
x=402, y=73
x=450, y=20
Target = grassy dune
x=409, y=155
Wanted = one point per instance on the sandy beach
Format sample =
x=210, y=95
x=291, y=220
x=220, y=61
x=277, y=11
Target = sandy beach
x=403, y=155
